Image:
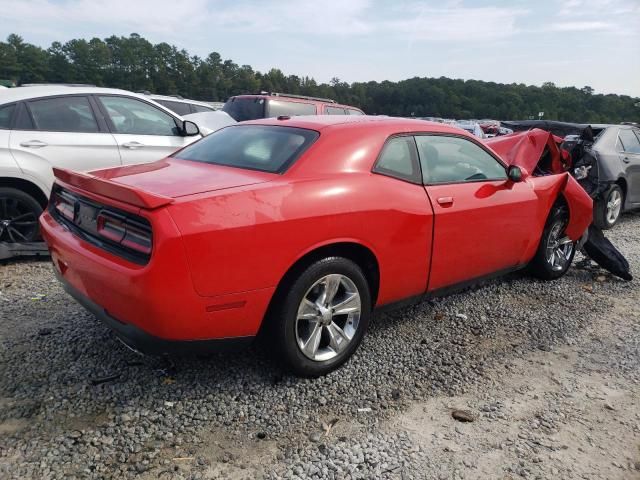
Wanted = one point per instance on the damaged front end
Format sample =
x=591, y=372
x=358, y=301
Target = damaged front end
x=568, y=167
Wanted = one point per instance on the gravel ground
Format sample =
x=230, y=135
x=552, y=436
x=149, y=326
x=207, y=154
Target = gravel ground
x=549, y=372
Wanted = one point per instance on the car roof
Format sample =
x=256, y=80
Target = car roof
x=24, y=93
x=320, y=122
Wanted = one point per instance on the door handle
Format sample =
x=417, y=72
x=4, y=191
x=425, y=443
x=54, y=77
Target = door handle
x=133, y=145
x=445, y=201
x=33, y=144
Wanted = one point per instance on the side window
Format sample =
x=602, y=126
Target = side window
x=135, y=117
x=275, y=108
x=201, y=108
x=398, y=159
x=335, y=111
x=629, y=141
x=5, y=116
x=353, y=111
x=63, y=114
x=446, y=159
x=176, y=107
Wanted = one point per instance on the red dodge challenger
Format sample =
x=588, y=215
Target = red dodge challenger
x=301, y=227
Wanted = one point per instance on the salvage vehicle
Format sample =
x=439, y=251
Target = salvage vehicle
x=271, y=104
x=297, y=228
x=72, y=127
x=612, y=164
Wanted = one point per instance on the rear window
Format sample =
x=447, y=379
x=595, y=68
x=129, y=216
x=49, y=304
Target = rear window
x=275, y=108
x=254, y=147
x=242, y=109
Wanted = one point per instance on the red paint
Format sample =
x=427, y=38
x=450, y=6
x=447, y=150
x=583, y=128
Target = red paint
x=223, y=238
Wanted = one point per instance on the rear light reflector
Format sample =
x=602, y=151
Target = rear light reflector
x=124, y=231
x=64, y=206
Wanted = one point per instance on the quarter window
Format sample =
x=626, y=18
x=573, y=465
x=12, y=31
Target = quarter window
x=138, y=118
x=630, y=142
x=398, y=159
x=446, y=159
x=63, y=114
x=353, y=111
x=276, y=108
x=5, y=115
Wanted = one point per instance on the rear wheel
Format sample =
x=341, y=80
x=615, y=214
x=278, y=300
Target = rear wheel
x=19, y=214
x=556, y=250
x=322, y=317
x=608, y=210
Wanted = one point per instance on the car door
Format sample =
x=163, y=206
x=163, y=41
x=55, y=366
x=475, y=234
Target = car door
x=629, y=150
x=143, y=132
x=64, y=132
x=482, y=222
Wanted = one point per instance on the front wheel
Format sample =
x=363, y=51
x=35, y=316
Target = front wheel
x=322, y=317
x=556, y=250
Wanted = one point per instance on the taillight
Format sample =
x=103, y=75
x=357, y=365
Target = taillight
x=64, y=206
x=124, y=231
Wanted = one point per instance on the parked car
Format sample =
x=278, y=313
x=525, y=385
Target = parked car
x=179, y=105
x=265, y=105
x=615, y=173
x=212, y=120
x=77, y=128
x=300, y=227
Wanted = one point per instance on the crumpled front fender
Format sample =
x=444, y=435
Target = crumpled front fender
x=580, y=208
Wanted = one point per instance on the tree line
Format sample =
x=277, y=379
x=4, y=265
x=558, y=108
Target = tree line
x=133, y=63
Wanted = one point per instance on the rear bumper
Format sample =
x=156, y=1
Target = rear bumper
x=143, y=342
x=154, y=307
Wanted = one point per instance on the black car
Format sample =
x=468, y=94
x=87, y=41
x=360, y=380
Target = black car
x=606, y=162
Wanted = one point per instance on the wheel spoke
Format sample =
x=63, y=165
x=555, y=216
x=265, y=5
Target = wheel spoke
x=16, y=231
x=338, y=340
x=331, y=285
x=348, y=305
x=307, y=310
x=311, y=345
x=23, y=216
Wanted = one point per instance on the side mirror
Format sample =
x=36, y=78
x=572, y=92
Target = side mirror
x=514, y=173
x=189, y=129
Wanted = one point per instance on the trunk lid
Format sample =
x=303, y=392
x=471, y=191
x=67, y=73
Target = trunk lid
x=175, y=178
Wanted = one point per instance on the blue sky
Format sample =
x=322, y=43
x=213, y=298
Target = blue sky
x=568, y=42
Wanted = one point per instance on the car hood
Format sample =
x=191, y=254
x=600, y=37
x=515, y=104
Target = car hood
x=174, y=178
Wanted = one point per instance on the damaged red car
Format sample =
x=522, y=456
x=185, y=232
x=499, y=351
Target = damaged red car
x=300, y=227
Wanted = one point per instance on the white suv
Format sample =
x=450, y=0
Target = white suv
x=78, y=128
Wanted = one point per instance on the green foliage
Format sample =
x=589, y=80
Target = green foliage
x=133, y=63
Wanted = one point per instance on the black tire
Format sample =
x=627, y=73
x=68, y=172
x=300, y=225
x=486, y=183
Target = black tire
x=542, y=266
x=285, y=328
x=602, y=214
x=19, y=213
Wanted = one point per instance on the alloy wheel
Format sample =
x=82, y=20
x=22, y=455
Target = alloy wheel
x=559, y=248
x=18, y=221
x=614, y=205
x=328, y=317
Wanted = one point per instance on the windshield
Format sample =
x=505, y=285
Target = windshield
x=243, y=109
x=255, y=147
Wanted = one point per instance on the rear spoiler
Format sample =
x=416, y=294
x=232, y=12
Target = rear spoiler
x=113, y=190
